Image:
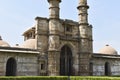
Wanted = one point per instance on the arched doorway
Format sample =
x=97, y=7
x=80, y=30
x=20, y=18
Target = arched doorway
x=91, y=68
x=11, y=67
x=65, y=61
x=107, y=69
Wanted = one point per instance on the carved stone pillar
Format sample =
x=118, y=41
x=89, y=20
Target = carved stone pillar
x=85, y=39
x=53, y=52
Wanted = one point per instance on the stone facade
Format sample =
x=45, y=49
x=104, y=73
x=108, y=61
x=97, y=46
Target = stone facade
x=105, y=64
x=55, y=46
x=15, y=61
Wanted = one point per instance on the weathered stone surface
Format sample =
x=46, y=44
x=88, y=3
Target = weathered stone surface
x=60, y=45
x=25, y=63
x=99, y=65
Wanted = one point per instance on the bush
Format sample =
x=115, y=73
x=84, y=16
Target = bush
x=59, y=78
x=34, y=78
x=94, y=78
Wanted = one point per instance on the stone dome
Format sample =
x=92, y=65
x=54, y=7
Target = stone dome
x=108, y=50
x=3, y=43
x=30, y=43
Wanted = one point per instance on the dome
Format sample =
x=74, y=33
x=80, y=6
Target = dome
x=108, y=50
x=3, y=43
x=30, y=43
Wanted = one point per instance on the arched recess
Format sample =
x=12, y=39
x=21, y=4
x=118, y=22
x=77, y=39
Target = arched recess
x=107, y=69
x=66, y=61
x=11, y=67
x=91, y=68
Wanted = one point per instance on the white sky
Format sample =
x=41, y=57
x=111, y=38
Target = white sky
x=18, y=15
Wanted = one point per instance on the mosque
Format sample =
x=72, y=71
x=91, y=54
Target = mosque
x=58, y=47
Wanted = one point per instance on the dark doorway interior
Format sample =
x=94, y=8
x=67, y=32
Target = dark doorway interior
x=91, y=68
x=66, y=61
x=107, y=69
x=11, y=67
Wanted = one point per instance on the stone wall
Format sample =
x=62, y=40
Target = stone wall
x=99, y=66
x=41, y=32
x=26, y=64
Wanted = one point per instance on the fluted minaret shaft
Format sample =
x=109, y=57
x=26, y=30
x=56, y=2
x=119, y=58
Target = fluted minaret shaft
x=54, y=8
x=53, y=52
x=83, y=25
x=85, y=38
x=83, y=12
x=54, y=12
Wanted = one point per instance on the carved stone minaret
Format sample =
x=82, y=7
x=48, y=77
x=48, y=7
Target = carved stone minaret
x=53, y=52
x=85, y=38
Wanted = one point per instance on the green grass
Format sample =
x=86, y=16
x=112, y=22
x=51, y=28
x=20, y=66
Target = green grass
x=59, y=78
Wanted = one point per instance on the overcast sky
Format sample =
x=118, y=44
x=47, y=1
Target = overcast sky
x=18, y=15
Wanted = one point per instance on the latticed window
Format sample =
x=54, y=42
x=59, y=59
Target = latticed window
x=68, y=28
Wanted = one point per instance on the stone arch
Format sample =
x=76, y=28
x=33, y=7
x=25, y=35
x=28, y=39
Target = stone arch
x=11, y=67
x=107, y=69
x=70, y=45
x=66, y=61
